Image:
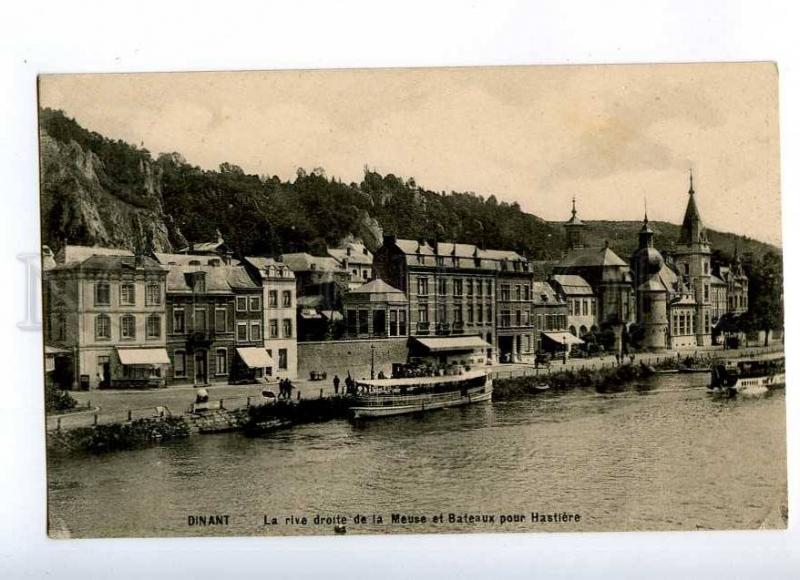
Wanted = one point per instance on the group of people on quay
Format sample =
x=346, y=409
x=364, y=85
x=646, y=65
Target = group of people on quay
x=285, y=388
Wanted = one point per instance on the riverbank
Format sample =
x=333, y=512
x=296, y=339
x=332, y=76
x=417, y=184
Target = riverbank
x=257, y=420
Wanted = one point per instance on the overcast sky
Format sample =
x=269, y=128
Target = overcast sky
x=611, y=136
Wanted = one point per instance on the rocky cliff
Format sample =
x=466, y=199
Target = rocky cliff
x=82, y=204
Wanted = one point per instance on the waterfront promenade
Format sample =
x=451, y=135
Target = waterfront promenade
x=112, y=406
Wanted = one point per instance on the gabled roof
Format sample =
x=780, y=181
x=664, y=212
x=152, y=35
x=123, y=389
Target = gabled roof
x=376, y=286
x=303, y=262
x=267, y=266
x=469, y=256
x=543, y=294
x=72, y=254
x=376, y=291
x=219, y=279
x=591, y=257
x=112, y=262
x=186, y=259
x=359, y=254
x=572, y=284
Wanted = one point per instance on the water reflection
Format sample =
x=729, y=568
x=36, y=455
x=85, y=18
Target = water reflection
x=658, y=454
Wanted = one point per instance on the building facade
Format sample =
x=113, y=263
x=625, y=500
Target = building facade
x=581, y=303
x=106, y=307
x=280, y=309
x=450, y=287
x=375, y=310
x=516, y=328
x=355, y=258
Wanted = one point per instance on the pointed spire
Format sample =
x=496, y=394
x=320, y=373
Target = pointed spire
x=692, y=231
x=691, y=182
x=574, y=211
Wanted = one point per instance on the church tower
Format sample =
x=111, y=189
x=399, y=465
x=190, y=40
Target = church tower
x=574, y=229
x=693, y=261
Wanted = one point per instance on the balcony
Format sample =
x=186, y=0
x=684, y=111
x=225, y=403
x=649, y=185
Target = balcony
x=423, y=328
x=443, y=328
x=458, y=328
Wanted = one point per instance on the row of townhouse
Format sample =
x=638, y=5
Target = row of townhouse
x=115, y=319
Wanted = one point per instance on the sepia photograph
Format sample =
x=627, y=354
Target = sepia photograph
x=413, y=301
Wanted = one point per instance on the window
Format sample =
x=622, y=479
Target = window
x=273, y=298
x=154, y=326
x=102, y=327
x=352, y=322
x=458, y=287
x=220, y=319
x=287, y=328
x=594, y=307
x=393, y=323
x=527, y=293
x=127, y=327
x=441, y=285
x=585, y=307
x=152, y=295
x=480, y=313
x=287, y=298
x=402, y=330
x=255, y=303
x=441, y=313
x=479, y=288
x=647, y=305
x=488, y=314
x=470, y=314
x=102, y=294
x=127, y=294
x=273, y=328
x=705, y=292
x=199, y=319
x=422, y=286
x=283, y=359
x=458, y=313
x=178, y=321
x=705, y=267
x=255, y=331
x=505, y=318
x=241, y=304
x=469, y=287
x=179, y=363
x=488, y=287
x=222, y=361
x=423, y=313
x=505, y=292
x=518, y=292
x=199, y=286
x=241, y=331
x=518, y=318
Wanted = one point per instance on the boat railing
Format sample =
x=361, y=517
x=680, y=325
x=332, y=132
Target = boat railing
x=385, y=400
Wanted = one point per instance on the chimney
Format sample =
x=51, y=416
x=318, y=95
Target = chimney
x=389, y=239
x=349, y=250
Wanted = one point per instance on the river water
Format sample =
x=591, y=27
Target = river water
x=658, y=455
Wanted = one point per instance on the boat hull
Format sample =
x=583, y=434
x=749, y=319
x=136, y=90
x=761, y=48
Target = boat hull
x=412, y=404
x=752, y=386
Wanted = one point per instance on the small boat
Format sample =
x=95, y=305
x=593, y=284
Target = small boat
x=666, y=371
x=749, y=376
x=684, y=370
x=542, y=387
x=399, y=396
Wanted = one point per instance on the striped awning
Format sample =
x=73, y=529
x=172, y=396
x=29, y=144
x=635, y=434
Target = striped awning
x=563, y=337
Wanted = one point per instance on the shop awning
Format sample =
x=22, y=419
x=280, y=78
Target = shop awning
x=255, y=357
x=332, y=314
x=563, y=337
x=310, y=314
x=453, y=343
x=143, y=356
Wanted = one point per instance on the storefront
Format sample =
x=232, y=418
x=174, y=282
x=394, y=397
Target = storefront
x=140, y=368
x=251, y=364
x=559, y=342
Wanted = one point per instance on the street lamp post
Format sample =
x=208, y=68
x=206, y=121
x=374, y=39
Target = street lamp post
x=372, y=363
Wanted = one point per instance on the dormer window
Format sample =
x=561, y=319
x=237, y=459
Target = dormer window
x=194, y=262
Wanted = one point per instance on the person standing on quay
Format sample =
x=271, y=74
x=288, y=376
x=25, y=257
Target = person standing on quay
x=336, y=385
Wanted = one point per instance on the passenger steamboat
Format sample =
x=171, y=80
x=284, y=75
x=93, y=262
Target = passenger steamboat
x=383, y=397
x=752, y=376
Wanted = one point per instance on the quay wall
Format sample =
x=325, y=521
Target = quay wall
x=339, y=357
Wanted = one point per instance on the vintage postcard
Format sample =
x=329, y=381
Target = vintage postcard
x=514, y=299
